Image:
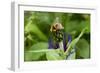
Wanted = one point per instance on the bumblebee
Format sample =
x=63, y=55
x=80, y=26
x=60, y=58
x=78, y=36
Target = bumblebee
x=57, y=30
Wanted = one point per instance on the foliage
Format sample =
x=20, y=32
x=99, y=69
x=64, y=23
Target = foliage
x=37, y=31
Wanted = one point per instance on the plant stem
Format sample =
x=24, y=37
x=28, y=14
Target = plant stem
x=73, y=43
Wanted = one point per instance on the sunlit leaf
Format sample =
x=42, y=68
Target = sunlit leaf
x=74, y=42
x=33, y=28
x=53, y=55
x=72, y=55
x=31, y=54
x=83, y=49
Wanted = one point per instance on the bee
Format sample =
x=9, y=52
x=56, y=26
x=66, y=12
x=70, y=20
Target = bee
x=57, y=32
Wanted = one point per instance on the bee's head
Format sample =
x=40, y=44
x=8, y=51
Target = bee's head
x=56, y=26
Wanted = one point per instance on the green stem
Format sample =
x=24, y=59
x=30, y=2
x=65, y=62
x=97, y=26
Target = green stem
x=72, y=44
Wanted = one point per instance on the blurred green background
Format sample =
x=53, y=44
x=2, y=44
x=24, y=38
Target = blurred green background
x=37, y=31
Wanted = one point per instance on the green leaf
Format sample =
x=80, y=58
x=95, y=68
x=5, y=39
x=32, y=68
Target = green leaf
x=72, y=55
x=85, y=24
x=73, y=43
x=83, y=49
x=37, y=51
x=33, y=28
x=39, y=46
x=53, y=55
x=27, y=56
x=32, y=55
